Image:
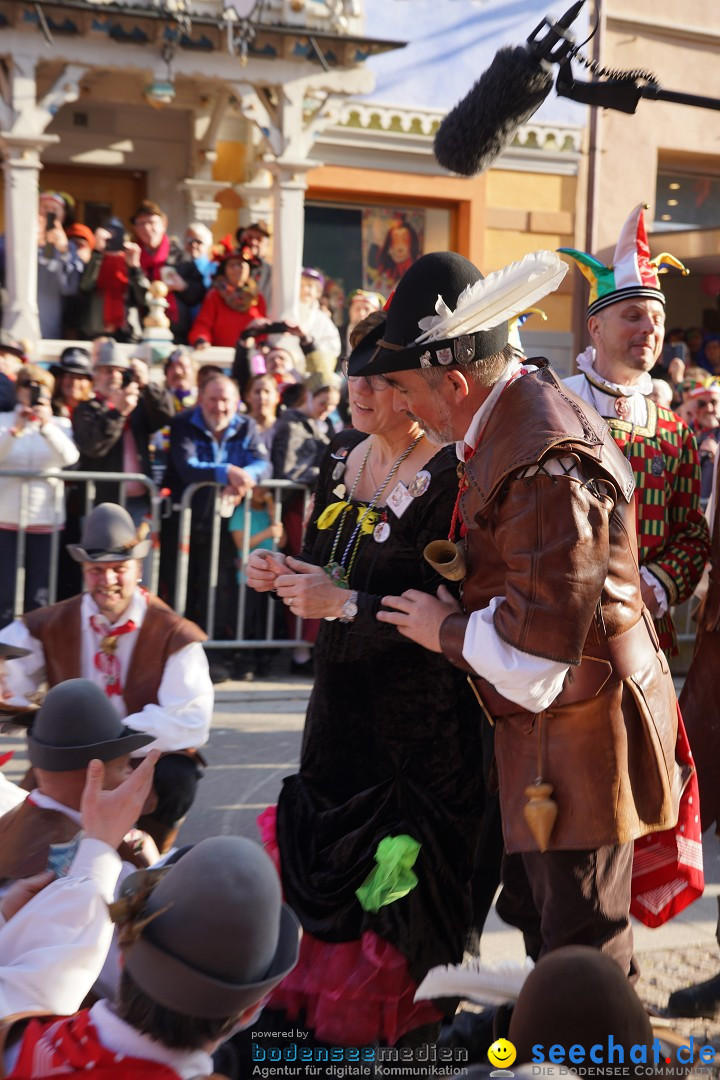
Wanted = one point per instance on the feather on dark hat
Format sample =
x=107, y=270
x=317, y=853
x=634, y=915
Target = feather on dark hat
x=445, y=312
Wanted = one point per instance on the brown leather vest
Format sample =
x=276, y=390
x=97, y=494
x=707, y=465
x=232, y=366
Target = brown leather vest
x=162, y=633
x=26, y=833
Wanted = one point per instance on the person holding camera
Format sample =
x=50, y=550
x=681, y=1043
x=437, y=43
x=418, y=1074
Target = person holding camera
x=31, y=438
x=59, y=268
x=113, y=429
x=113, y=267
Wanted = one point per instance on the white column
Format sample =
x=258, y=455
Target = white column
x=21, y=166
x=289, y=186
x=201, y=198
x=257, y=194
x=23, y=121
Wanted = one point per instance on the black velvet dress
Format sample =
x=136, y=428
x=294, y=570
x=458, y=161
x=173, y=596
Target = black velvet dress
x=391, y=746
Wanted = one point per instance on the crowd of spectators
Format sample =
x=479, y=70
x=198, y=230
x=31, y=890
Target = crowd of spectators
x=271, y=415
x=101, y=410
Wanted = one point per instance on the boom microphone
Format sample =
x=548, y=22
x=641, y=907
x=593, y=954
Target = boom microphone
x=505, y=96
x=480, y=126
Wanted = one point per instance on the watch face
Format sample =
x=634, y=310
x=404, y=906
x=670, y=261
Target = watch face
x=350, y=609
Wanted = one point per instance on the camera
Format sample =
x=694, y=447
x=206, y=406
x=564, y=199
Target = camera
x=50, y=220
x=35, y=393
x=128, y=377
x=263, y=331
x=117, y=234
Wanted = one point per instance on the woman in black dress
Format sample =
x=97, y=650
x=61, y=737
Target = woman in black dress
x=391, y=747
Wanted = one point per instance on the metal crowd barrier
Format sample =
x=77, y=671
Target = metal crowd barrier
x=683, y=614
x=56, y=478
x=218, y=523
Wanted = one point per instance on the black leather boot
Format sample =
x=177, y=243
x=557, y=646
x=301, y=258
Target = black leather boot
x=703, y=999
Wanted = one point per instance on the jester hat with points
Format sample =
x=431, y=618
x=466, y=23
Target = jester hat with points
x=632, y=271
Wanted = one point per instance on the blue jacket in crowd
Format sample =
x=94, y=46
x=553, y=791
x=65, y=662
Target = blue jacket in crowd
x=196, y=456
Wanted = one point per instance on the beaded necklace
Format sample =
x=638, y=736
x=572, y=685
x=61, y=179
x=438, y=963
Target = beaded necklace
x=339, y=572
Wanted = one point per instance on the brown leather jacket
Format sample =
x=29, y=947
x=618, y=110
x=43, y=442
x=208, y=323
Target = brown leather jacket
x=562, y=551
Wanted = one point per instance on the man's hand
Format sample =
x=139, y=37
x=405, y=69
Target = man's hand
x=676, y=370
x=56, y=236
x=123, y=399
x=20, y=892
x=108, y=815
x=309, y=592
x=141, y=372
x=101, y=238
x=649, y=598
x=132, y=255
x=419, y=616
x=263, y=568
x=240, y=480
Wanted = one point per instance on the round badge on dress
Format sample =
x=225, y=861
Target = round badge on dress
x=419, y=483
x=381, y=532
x=622, y=408
x=338, y=470
x=658, y=465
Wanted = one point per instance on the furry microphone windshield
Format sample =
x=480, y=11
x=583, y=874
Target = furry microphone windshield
x=480, y=126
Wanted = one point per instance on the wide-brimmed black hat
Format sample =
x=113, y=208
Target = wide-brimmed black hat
x=109, y=535
x=393, y=346
x=222, y=938
x=77, y=723
x=73, y=361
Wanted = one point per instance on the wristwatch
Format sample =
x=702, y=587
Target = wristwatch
x=349, y=608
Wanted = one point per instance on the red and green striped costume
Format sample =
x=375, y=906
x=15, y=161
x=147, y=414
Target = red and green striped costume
x=673, y=539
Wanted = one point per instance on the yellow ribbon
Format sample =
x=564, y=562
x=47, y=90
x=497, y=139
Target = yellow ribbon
x=368, y=518
x=330, y=514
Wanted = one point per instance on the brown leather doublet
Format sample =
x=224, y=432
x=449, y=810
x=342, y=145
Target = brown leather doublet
x=562, y=553
x=163, y=632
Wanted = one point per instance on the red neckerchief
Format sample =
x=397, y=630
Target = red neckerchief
x=106, y=660
x=470, y=452
x=71, y=1046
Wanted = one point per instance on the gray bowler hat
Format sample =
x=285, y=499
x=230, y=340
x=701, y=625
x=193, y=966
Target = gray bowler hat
x=77, y=723
x=109, y=535
x=222, y=937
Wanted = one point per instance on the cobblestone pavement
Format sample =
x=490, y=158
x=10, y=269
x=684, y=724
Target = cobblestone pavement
x=665, y=970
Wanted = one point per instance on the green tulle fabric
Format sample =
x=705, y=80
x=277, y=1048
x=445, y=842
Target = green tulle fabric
x=393, y=877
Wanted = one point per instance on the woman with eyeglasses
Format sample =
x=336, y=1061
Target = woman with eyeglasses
x=375, y=835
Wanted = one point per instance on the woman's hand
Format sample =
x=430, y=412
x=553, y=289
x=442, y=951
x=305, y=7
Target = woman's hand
x=263, y=569
x=309, y=592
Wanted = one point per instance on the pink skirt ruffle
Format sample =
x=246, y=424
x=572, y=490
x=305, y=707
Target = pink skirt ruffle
x=353, y=993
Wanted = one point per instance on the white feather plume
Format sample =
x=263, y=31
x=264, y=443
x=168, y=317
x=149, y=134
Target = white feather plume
x=490, y=984
x=497, y=297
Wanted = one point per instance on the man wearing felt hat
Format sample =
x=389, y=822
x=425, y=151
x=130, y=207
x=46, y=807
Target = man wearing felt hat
x=551, y=629
x=204, y=941
x=148, y=661
x=112, y=429
x=75, y=725
x=626, y=324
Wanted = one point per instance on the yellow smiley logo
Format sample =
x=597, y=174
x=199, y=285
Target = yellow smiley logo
x=502, y=1053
